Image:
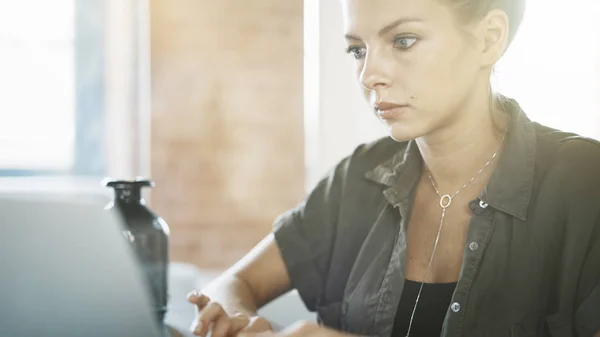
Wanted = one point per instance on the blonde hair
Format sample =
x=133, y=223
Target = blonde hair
x=469, y=10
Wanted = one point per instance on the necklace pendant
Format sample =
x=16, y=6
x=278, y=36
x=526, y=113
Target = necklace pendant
x=445, y=201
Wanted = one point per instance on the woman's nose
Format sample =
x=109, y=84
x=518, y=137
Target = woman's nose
x=375, y=73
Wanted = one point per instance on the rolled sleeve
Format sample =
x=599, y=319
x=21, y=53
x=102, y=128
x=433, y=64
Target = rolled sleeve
x=305, y=236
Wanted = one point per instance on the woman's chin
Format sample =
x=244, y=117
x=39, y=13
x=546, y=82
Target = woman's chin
x=402, y=133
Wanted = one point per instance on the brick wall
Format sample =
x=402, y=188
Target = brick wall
x=227, y=122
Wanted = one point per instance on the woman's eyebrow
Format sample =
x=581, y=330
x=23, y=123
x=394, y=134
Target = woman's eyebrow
x=387, y=28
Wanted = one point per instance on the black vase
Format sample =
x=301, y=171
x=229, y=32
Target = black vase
x=148, y=235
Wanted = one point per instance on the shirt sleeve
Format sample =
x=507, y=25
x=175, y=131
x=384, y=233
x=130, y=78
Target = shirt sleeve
x=587, y=314
x=305, y=235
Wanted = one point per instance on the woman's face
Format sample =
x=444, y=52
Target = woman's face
x=415, y=62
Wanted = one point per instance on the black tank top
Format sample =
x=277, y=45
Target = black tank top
x=431, y=311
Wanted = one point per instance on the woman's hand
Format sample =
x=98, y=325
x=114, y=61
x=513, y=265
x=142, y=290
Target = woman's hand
x=300, y=329
x=210, y=316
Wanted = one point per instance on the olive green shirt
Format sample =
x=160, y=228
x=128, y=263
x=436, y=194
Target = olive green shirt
x=531, y=264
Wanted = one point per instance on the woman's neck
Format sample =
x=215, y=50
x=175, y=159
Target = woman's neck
x=455, y=153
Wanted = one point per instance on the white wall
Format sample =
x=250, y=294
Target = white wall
x=552, y=69
x=127, y=72
x=337, y=116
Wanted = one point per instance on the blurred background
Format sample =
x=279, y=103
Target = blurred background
x=234, y=108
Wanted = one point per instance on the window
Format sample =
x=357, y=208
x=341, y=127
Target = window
x=51, y=66
x=73, y=88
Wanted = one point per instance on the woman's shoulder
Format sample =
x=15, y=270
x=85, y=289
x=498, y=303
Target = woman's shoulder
x=572, y=157
x=568, y=147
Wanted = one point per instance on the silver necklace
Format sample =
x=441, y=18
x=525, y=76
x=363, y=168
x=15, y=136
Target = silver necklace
x=445, y=202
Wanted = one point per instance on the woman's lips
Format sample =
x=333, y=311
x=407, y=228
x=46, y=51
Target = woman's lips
x=391, y=112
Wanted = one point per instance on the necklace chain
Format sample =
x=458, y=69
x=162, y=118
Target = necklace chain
x=445, y=202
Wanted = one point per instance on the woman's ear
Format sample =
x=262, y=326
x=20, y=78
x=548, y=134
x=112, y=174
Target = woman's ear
x=494, y=32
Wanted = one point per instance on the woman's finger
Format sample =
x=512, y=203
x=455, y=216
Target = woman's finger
x=258, y=334
x=221, y=327
x=207, y=317
x=238, y=322
x=198, y=299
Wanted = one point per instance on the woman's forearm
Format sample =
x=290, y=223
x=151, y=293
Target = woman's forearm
x=255, y=280
x=234, y=295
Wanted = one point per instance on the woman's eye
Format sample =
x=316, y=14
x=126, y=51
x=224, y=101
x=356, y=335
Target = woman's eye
x=357, y=52
x=404, y=42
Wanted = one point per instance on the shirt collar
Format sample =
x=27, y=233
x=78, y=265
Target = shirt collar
x=510, y=186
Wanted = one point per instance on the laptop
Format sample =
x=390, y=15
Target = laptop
x=66, y=271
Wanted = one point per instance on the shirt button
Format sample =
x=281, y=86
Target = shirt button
x=455, y=307
x=473, y=246
x=483, y=204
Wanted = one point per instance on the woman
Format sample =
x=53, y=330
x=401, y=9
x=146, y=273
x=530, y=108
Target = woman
x=469, y=220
